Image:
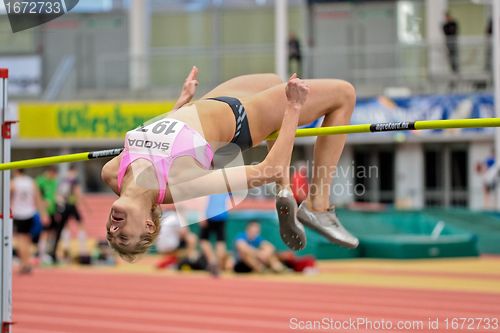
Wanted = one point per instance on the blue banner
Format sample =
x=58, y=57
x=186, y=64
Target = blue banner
x=433, y=107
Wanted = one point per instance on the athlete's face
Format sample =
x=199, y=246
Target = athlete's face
x=127, y=222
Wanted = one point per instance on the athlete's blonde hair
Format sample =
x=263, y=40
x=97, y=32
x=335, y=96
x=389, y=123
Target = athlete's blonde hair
x=147, y=239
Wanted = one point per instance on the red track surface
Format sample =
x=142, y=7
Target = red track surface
x=59, y=301
x=89, y=300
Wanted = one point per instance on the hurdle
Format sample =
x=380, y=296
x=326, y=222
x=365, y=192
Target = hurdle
x=5, y=216
x=305, y=132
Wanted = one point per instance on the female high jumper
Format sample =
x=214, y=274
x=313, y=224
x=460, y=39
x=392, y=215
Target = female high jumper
x=175, y=152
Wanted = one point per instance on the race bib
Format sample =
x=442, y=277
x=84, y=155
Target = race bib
x=156, y=138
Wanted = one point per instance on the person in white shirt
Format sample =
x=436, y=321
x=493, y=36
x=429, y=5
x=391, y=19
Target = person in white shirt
x=175, y=240
x=26, y=202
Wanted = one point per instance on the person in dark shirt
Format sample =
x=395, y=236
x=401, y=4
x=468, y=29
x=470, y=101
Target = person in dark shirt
x=489, y=49
x=69, y=196
x=450, y=30
x=294, y=54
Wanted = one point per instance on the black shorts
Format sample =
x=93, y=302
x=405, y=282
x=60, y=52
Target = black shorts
x=242, y=136
x=70, y=211
x=217, y=228
x=182, y=244
x=24, y=226
x=241, y=267
x=52, y=224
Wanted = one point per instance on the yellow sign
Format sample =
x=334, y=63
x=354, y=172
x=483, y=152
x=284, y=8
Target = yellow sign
x=85, y=120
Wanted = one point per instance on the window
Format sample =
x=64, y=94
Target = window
x=446, y=172
x=374, y=175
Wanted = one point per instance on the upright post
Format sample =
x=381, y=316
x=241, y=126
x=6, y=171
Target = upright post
x=5, y=217
x=139, y=37
x=280, y=38
x=496, y=81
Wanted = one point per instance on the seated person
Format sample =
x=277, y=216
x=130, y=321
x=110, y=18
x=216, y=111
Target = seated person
x=254, y=253
x=175, y=241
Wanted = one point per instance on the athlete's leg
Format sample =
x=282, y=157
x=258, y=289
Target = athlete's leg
x=327, y=151
x=333, y=99
x=244, y=86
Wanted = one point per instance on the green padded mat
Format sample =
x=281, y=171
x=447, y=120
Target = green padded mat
x=486, y=225
x=407, y=235
x=388, y=234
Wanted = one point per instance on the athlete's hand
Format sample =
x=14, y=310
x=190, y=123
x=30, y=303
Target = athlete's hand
x=188, y=88
x=191, y=83
x=296, y=91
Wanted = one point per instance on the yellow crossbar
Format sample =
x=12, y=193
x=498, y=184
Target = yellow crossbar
x=321, y=131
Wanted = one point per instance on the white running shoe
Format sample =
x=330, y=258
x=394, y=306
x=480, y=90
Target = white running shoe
x=328, y=225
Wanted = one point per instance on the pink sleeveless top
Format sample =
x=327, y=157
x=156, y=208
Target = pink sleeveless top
x=161, y=143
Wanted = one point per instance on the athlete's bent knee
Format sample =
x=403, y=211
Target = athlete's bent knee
x=347, y=92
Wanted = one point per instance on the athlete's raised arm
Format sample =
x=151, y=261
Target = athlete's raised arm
x=188, y=89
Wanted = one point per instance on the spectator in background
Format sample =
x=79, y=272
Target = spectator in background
x=451, y=30
x=488, y=169
x=103, y=254
x=300, y=182
x=175, y=241
x=47, y=184
x=69, y=195
x=26, y=200
x=254, y=253
x=294, y=55
x=215, y=223
x=489, y=46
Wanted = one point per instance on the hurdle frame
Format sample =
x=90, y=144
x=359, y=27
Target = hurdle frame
x=5, y=214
